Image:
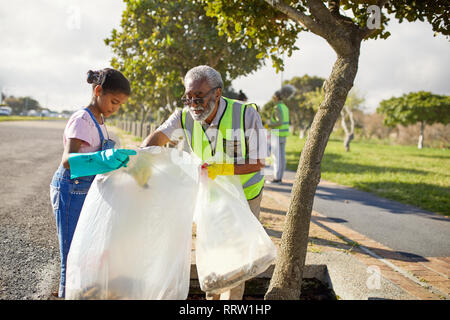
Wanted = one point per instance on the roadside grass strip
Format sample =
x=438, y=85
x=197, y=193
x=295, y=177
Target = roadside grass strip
x=402, y=173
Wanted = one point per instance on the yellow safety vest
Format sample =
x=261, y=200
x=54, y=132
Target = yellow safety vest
x=283, y=129
x=229, y=145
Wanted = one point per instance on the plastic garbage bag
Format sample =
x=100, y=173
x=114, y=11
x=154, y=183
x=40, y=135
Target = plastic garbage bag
x=133, y=237
x=231, y=244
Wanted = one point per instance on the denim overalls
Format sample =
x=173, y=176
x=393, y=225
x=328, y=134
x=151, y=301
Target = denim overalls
x=67, y=197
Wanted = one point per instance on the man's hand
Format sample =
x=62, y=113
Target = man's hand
x=219, y=169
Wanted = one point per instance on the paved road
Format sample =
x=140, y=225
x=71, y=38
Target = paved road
x=29, y=259
x=404, y=228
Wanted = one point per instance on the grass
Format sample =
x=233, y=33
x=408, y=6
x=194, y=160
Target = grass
x=122, y=133
x=402, y=173
x=25, y=118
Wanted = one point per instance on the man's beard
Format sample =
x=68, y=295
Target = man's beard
x=206, y=111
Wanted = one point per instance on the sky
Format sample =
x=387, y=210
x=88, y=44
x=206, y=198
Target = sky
x=47, y=46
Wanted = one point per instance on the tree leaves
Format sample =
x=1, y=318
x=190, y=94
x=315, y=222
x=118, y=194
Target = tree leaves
x=256, y=25
x=160, y=41
x=303, y=104
x=415, y=107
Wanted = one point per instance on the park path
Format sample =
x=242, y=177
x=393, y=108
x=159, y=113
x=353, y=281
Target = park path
x=405, y=228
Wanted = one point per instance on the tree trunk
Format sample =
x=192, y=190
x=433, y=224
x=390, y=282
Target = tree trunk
x=305, y=130
x=420, y=143
x=348, y=139
x=295, y=121
x=169, y=103
x=302, y=133
x=288, y=273
x=348, y=132
x=144, y=111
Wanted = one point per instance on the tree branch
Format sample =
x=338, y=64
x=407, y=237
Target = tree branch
x=321, y=12
x=298, y=16
x=323, y=23
x=333, y=6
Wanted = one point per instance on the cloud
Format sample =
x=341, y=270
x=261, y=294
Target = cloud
x=48, y=46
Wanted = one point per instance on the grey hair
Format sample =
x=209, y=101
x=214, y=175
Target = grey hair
x=285, y=92
x=201, y=73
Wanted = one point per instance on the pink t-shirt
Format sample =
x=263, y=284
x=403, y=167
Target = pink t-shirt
x=81, y=126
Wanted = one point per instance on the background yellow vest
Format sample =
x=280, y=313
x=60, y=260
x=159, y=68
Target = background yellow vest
x=283, y=129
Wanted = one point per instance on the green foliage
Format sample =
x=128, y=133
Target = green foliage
x=354, y=100
x=21, y=104
x=257, y=24
x=435, y=12
x=160, y=41
x=415, y=107
x=303, y=104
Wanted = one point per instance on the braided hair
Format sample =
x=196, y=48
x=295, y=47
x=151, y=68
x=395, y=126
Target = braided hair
x=110, y=80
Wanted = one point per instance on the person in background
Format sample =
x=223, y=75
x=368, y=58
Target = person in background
x=279, y=125
x=87, y=151
x=242, y=96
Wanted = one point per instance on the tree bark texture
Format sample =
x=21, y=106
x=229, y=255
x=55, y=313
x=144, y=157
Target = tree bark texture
x=349, y=133
x=288, y=273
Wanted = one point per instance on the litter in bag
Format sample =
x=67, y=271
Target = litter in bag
x=133, y=237
x=231, y=244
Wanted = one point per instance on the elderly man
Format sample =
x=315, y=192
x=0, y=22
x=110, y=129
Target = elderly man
x=225, y=133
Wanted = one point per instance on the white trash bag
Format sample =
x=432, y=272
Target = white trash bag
x=133, y=237
x=231, y=245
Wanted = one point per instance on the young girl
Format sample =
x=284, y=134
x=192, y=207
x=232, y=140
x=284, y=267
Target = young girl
x=86, y=153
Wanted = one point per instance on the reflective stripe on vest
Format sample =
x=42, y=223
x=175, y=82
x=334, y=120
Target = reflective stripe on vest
x=253, y=105
x=283, y=129
x=220, y=147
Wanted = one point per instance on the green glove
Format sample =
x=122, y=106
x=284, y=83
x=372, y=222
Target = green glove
x=92, y=163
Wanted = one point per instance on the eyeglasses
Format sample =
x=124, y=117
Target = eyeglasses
x=197, y=101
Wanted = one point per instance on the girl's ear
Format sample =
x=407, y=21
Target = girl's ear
x=98, y=90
